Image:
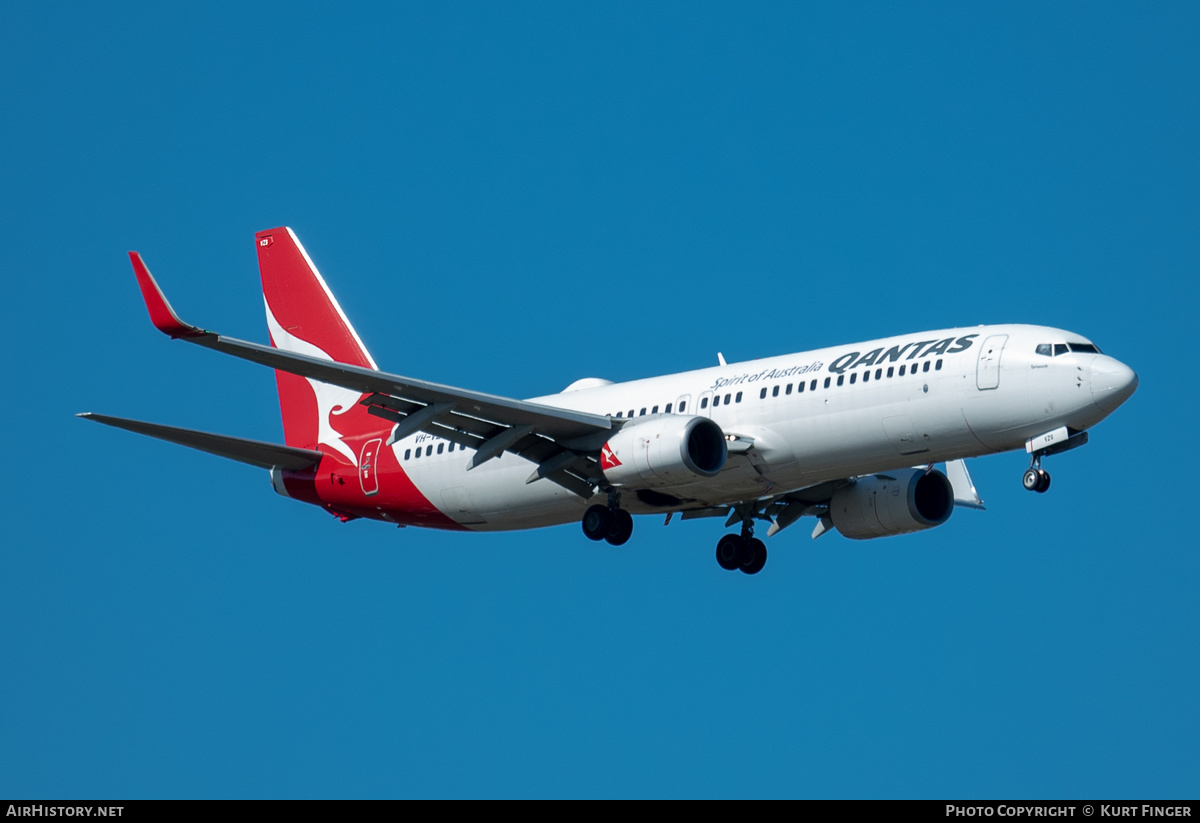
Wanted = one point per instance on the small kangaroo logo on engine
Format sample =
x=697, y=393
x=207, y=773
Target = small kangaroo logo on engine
x=608, y=460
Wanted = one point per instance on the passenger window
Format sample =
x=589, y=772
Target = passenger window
x=407, y=453
x=417, y=453
x=762, y=395
x=642, y=413
x=841, y=379
x=788, y=390
x=667, y=410
x=620, y=414
x=738, y=398
x=441, y=448
x=938, y=365
x=1043, y=349
x=891, y=369
x=682, y=406
x=826, y=382
x=429, y=450
x=716, y=400
x=853, y=377
x=867, y=375
x=726, y=400
x=654, y=410
x=703, y=403
x=878, y=373
x=902, y=371
x=800, y=387
x=774, y=391
x=926, y=367
x=630, y=413
x=813, y=386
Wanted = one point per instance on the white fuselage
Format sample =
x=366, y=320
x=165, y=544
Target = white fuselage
x=963, y=393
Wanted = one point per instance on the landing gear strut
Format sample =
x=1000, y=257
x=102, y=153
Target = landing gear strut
x=745, y=551
x=611, y=522
x=1036, y=479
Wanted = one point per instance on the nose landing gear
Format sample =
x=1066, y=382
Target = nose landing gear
x=1036, y=479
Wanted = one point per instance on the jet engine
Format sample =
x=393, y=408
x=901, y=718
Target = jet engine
x=881, y=505
x=663, y=451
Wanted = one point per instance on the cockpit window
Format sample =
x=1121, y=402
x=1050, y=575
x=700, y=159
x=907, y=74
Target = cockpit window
x=1054, y=350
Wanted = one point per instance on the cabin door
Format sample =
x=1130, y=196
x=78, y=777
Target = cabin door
x=987, y=373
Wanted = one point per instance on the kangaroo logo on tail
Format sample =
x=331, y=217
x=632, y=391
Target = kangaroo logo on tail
x=304, y=317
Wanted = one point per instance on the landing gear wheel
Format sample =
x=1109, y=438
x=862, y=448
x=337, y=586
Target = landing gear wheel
x=1032, y=479
x=596, y=521
x=729, y=550
x=1043, y=485
x=620, y=526
x=753, y=556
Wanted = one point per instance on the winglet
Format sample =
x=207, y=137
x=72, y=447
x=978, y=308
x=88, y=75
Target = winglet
x=161, y=313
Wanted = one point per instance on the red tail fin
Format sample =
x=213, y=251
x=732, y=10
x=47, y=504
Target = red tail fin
x=304, y=317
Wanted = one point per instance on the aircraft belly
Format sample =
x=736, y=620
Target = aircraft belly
x=495, y=496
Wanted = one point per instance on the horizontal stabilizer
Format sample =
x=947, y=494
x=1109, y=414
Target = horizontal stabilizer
x=254, y=452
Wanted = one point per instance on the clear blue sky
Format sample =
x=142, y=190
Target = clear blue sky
x=508, y=197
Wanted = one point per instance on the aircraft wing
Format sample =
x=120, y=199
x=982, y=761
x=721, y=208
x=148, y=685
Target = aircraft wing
x=561, y=442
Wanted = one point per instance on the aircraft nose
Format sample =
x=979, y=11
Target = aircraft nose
x=1112, y=382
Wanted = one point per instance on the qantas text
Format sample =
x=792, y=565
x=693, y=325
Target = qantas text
x=854, y=360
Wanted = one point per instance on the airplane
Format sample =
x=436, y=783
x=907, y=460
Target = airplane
x=849, y=435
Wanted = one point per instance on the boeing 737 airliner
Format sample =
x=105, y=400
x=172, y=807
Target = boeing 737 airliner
x=848, y=434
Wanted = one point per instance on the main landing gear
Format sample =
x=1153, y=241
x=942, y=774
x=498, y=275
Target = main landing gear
x=744, y=551
x=611, y=522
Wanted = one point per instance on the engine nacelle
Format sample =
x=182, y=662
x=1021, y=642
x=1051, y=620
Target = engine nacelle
x=878, y=507
x=670, y=450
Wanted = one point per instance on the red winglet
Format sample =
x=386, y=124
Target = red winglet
x=161, y=313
